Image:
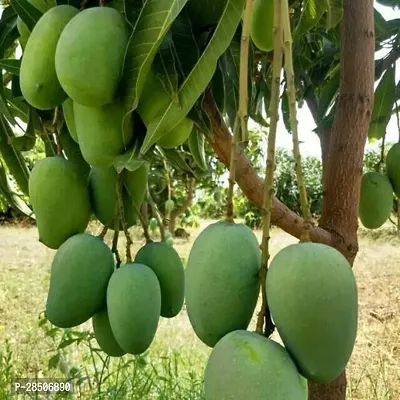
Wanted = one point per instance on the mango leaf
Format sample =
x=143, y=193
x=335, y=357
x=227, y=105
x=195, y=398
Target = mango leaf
x=384, y=99
x=27, y=141
x=199, y=77
x=177, y=160
x=196, y=147
x=201, y=118
x=13, y=158
x=29, y=14
x=8, y=30
x=150, y=25
x=334, y=13
x=328, y=92
x=11, y=66
x=286, y=112
x=73, y=3
x=218, y=89
x=8, y=192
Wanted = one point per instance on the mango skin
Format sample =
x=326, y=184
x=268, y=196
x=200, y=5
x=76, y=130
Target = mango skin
x=262, y=24
x=246, y=365
x=222, y=280
x=153, y=102
x=376, y=200
x=134, y=305
x=41, y=5
x=85, y=43
x=100, y=134
x=38, y=79
x=79, y=277
x=104, y=200
x=60, y=200
x=312, y=296
x=104, y=336
x=393, y=167
x=135, y=183
x=168, y=267
x=69, y=118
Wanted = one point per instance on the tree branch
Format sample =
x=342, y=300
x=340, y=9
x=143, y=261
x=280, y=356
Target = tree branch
x=250, y=183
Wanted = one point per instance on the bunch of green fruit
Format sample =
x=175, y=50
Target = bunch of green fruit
x=377, y=189
x=312, y=297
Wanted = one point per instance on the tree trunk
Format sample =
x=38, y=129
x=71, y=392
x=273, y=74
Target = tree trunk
x=343, y=164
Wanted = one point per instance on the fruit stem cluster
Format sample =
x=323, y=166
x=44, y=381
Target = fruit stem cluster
x=290, y=90
x=240, y=126
x=270, y=165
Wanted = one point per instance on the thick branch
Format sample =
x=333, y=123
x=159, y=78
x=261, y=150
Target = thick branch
x=250, y=183
x=350, y=126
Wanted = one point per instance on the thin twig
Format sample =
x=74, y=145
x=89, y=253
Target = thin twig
x=156, y=214
x=264, y=314
x=145, y=225
x=232, y=170
x=103, y=232
x=291, y=93
x=114, y=248
x=56, y=129
x=121, y=215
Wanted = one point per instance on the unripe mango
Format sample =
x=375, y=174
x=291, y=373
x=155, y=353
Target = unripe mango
x=134, y=305
x=100, y=134
x=38, y=79
x=59, y=197
x=153, y=102
x=103, y=195
x=222, y=280
x=393, y=167
x=168, y=267
x=90, y=55
x=312, y=296
x=69, y=118
x=104, y=336
x=41, y=5
x=247, y=365
x=79, y=277
x=376, y=199
x=262, y=24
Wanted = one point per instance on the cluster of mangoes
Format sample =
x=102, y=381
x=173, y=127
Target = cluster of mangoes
x=76, y=59
x=312, y=296
x=377, y=188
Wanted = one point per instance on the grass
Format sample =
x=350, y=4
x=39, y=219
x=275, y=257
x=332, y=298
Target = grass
x=173, y=367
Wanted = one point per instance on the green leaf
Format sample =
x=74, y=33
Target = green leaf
x=177, y=160
x=384, y=99
x=149, y=29
x=54, y=361
x=11, y=66
x=199, y=77
x=13, y=158
x=218, y=89
x=328, y=92
x=8, y=30
x=28, y=140
x=312, y=12
x=334, y=13
x=196, y=147
x=29, y=14
x=286, y=112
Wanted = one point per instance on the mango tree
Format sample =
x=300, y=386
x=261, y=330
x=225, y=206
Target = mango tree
x=110, y=87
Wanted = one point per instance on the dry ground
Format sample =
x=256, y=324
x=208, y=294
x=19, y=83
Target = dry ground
x=374, y=370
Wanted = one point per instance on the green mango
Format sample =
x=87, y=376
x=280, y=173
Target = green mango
x=222, y=280
x=73, y=152
x=104, y=336
x=262, y=24
x=168, y=267
x=59, y=197
x=69, y=118
x=246, y=365
x=88, y=67
x=38, y=79
x=153, y=102
x=205, y=13
x=393, y=167
x=312, y=296
x=135, y=183
x=104, y=200
x=79, y=277
x=134, y=305
x=41, y=5
x=376, y=199
x=100, y=134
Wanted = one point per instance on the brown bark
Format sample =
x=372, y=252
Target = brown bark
x=250, y=183
x=176, y=212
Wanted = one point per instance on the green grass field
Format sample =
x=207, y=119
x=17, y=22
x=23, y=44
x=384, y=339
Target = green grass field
x=173, y=366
